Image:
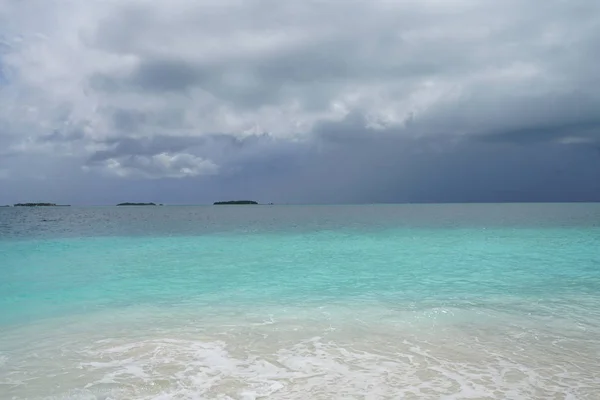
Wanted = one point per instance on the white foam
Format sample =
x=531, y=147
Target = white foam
x=296, y=355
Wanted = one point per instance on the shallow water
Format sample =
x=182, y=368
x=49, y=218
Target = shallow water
x=295, y=302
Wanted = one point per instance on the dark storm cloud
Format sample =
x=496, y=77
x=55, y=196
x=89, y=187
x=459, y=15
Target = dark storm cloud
x=385, y=167
x=518, y=117
x=298, y=101
x=582, y=131
x=382, y=166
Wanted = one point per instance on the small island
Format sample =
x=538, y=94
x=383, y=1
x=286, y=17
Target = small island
x=40, y=205
x=234, y=202
x=136, y=204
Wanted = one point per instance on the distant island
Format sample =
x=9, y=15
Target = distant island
x=137, y=204
x=40, y=205
x=234, y=202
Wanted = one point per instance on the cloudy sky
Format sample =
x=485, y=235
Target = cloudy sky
x=299, y=101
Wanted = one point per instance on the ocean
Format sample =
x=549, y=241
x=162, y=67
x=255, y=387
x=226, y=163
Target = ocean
x=456, y=301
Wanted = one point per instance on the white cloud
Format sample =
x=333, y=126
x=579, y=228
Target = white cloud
x=157, y=166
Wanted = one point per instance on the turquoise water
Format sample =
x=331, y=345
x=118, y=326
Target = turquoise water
x=429, y=301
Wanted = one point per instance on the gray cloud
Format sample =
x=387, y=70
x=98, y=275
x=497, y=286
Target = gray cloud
x=145, y=146
x=63, y=136
x=383, y=166
x=580, y=131
x=360, y=101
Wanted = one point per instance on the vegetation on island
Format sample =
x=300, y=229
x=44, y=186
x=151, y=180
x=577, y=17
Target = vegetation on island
x=137, y=204
x=234, y=202
x=40, y=205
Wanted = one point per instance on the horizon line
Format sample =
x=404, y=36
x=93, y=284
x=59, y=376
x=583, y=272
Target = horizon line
x=159, y=204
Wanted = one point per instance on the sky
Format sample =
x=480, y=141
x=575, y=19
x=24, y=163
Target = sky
x=299, y=101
